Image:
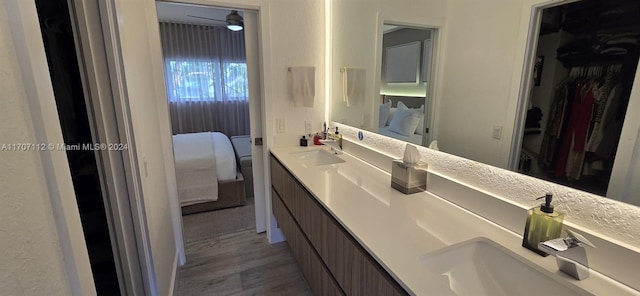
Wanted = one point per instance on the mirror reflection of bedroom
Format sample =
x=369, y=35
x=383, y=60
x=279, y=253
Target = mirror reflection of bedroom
x=208, y=97
x=404, y=110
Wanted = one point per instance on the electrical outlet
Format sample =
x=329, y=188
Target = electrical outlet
x=367, y=119
x=280, y=127
x=146, y=170
x=497, y=132
x=308, y=127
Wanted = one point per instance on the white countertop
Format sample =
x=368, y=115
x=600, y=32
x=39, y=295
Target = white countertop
x=397, y=229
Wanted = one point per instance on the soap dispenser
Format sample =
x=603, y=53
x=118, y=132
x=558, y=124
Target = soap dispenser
x=543, y=224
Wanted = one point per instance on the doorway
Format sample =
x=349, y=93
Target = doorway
x=583, y=57
x=210, y=94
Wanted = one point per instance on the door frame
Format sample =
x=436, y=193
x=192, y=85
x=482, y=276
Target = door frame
x=619, y=184
x=526, y=83
x=252, y=49
x=256, y=66
x=105, y=107
x=437, y=27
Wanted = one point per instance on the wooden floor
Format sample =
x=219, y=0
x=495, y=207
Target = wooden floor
x=240, y=263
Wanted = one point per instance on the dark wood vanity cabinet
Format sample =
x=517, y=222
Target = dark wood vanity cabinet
x=332, y=261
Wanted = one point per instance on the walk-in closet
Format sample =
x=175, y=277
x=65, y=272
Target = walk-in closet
x=586, y=60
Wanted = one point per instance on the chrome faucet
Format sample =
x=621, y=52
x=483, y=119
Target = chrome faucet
x=334, y=142
x=570, y=254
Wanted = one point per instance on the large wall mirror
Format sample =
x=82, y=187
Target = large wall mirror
x=564, y=113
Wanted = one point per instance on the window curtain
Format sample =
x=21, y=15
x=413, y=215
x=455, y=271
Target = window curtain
x=206, y=78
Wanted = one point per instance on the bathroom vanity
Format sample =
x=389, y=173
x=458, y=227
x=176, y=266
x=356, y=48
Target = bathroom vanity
x=352, y=234
x=333, y=262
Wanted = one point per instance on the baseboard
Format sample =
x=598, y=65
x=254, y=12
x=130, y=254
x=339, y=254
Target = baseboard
x=175, y=276
x=276, y=235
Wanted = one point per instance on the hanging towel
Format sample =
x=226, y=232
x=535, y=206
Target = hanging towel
x=303, y=89
x=352, y=85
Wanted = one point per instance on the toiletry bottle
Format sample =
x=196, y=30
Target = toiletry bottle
x=543, y=224
x=303, y=141
x=324, y=131
x=338, y=137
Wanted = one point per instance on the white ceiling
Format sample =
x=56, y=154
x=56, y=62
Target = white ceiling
x=179, y=13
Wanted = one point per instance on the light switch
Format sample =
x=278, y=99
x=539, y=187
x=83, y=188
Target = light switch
x=308, y=127
x=280, y=127
x=497, y=132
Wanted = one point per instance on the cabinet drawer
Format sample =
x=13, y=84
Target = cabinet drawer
x=352, y=267
x=317, y=276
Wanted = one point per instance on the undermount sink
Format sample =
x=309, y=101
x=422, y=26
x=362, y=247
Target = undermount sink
x=317, y=157
x=482, y=267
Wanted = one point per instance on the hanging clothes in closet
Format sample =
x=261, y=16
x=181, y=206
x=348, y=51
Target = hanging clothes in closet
x=580, y=135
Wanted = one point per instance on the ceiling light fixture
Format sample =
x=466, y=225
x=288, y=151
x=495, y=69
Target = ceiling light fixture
x=235, y=22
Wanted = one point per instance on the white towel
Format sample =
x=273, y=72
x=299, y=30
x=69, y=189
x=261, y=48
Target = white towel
x=352, y=85
x=303, y=85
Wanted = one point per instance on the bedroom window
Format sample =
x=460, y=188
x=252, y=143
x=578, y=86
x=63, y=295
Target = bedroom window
x=206, y=80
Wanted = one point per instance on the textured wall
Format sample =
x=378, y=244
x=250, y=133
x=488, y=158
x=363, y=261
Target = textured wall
x=617, y=220
x=31, y=261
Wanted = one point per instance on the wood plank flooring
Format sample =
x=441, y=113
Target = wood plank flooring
x=240, y=263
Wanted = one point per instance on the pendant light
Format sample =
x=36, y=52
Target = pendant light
x=235, y=21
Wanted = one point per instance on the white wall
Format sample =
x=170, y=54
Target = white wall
x=480, y=52
x=145, y=88
x=40, y=232
x=31, y=260
x=297, y=38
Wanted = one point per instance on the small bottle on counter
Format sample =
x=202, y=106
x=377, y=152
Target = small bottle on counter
x=316, y=139
x=324, y=131
x=304, y=141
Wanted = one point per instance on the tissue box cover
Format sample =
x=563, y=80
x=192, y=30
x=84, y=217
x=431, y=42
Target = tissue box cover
x=408, y=179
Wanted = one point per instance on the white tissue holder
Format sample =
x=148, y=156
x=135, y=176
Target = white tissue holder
x=408, y=179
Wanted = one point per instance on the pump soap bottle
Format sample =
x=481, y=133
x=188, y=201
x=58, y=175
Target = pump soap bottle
x=543, y=224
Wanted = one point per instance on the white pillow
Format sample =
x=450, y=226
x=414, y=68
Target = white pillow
x=384, y=114
x=420, y=127
x=392, y=112
x=405, y=120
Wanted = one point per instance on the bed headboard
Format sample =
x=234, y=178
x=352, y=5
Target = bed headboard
x=411, y=102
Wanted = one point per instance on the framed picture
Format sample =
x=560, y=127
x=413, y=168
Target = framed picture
x=401, y=63
x=537, y=70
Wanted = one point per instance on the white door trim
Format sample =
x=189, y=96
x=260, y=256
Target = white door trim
x=90, y=49
x=256, y=98
x=123, y=116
